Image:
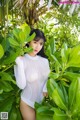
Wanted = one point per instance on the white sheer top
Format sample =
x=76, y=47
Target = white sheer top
x=31, y=75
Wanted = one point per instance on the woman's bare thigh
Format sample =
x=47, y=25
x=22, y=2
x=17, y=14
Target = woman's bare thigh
x=28, y=113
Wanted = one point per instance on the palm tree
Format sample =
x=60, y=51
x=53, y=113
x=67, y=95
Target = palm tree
x=32, y=9
x=29, y=9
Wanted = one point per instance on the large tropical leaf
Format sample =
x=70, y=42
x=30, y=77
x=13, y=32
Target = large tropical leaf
x=58, y=100
x=6, y=104
x=71, y=76
x=52, y=85
x=74, y=56
x=72, y=92
x=58, y=114
x=6, y=77
x=1, y=51
x=5, y=86
x=13, y=113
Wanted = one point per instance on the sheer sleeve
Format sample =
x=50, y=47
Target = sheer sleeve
x=19, y=73
x=47, y=74
x=45, y=87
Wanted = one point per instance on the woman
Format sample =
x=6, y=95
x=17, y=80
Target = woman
x=31, y=72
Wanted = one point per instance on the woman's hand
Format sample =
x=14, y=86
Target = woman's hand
x=45, y=94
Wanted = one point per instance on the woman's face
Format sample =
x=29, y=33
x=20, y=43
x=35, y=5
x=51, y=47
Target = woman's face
x=37, y=46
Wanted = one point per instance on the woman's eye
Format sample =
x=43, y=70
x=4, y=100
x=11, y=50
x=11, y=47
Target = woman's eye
x=35, y=42
x=41, y=43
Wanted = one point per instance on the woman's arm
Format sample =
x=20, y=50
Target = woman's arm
x=19, y=73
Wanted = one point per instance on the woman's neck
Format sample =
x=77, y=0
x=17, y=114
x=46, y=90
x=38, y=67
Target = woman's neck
x=32, y=54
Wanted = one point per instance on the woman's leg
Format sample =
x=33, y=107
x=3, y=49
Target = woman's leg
x=28, y=113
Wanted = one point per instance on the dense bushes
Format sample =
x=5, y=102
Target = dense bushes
x=63, y=84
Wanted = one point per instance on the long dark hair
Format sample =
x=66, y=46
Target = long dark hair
x=39, y=35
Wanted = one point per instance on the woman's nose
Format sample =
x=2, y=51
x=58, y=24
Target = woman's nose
x=37, y=46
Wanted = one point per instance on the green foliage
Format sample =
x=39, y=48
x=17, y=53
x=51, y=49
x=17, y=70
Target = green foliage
x=43, y=111
x=64, y=84
x=15, y=46
x=20, y=37
x=63, y=110
x=1, y=51
x=64, y=80
x=61, y=27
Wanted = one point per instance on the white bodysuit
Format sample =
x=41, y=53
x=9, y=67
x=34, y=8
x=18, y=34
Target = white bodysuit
x=31, y=75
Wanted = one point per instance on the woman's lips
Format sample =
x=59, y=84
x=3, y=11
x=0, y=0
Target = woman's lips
x=36, y=50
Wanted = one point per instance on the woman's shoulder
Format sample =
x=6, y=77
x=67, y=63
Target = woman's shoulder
x=19, y=59
x=44, y=59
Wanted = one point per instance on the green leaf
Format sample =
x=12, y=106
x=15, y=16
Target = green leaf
x=13, y=113
x=26, y=29
x=78, y=94
x=27, y=50
x=11, y=58
x=19, y=116
x=13, y=42
x=72, y=92
x=43, y=117
x=16, y=32
x=59, y=114
x=1, y=91
x=5, y=95
x=22, y=37
x=55, y=59
x=44, y=114
x=63, y=53
x=51, y=85
x=74, y=56
x=6, y=77
x=5, y=86
x=57, y=63
x=57, y=99
x=6, y=104
x=43, y=110
x=58, y=117
x=52, y=45
x=76, y=105
x=71, y=76
x=1, y=51
x=75, y=109
x=63, y=88
x=30, y=38
x=48, y=51
x=54, y=75
x=19, y=36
